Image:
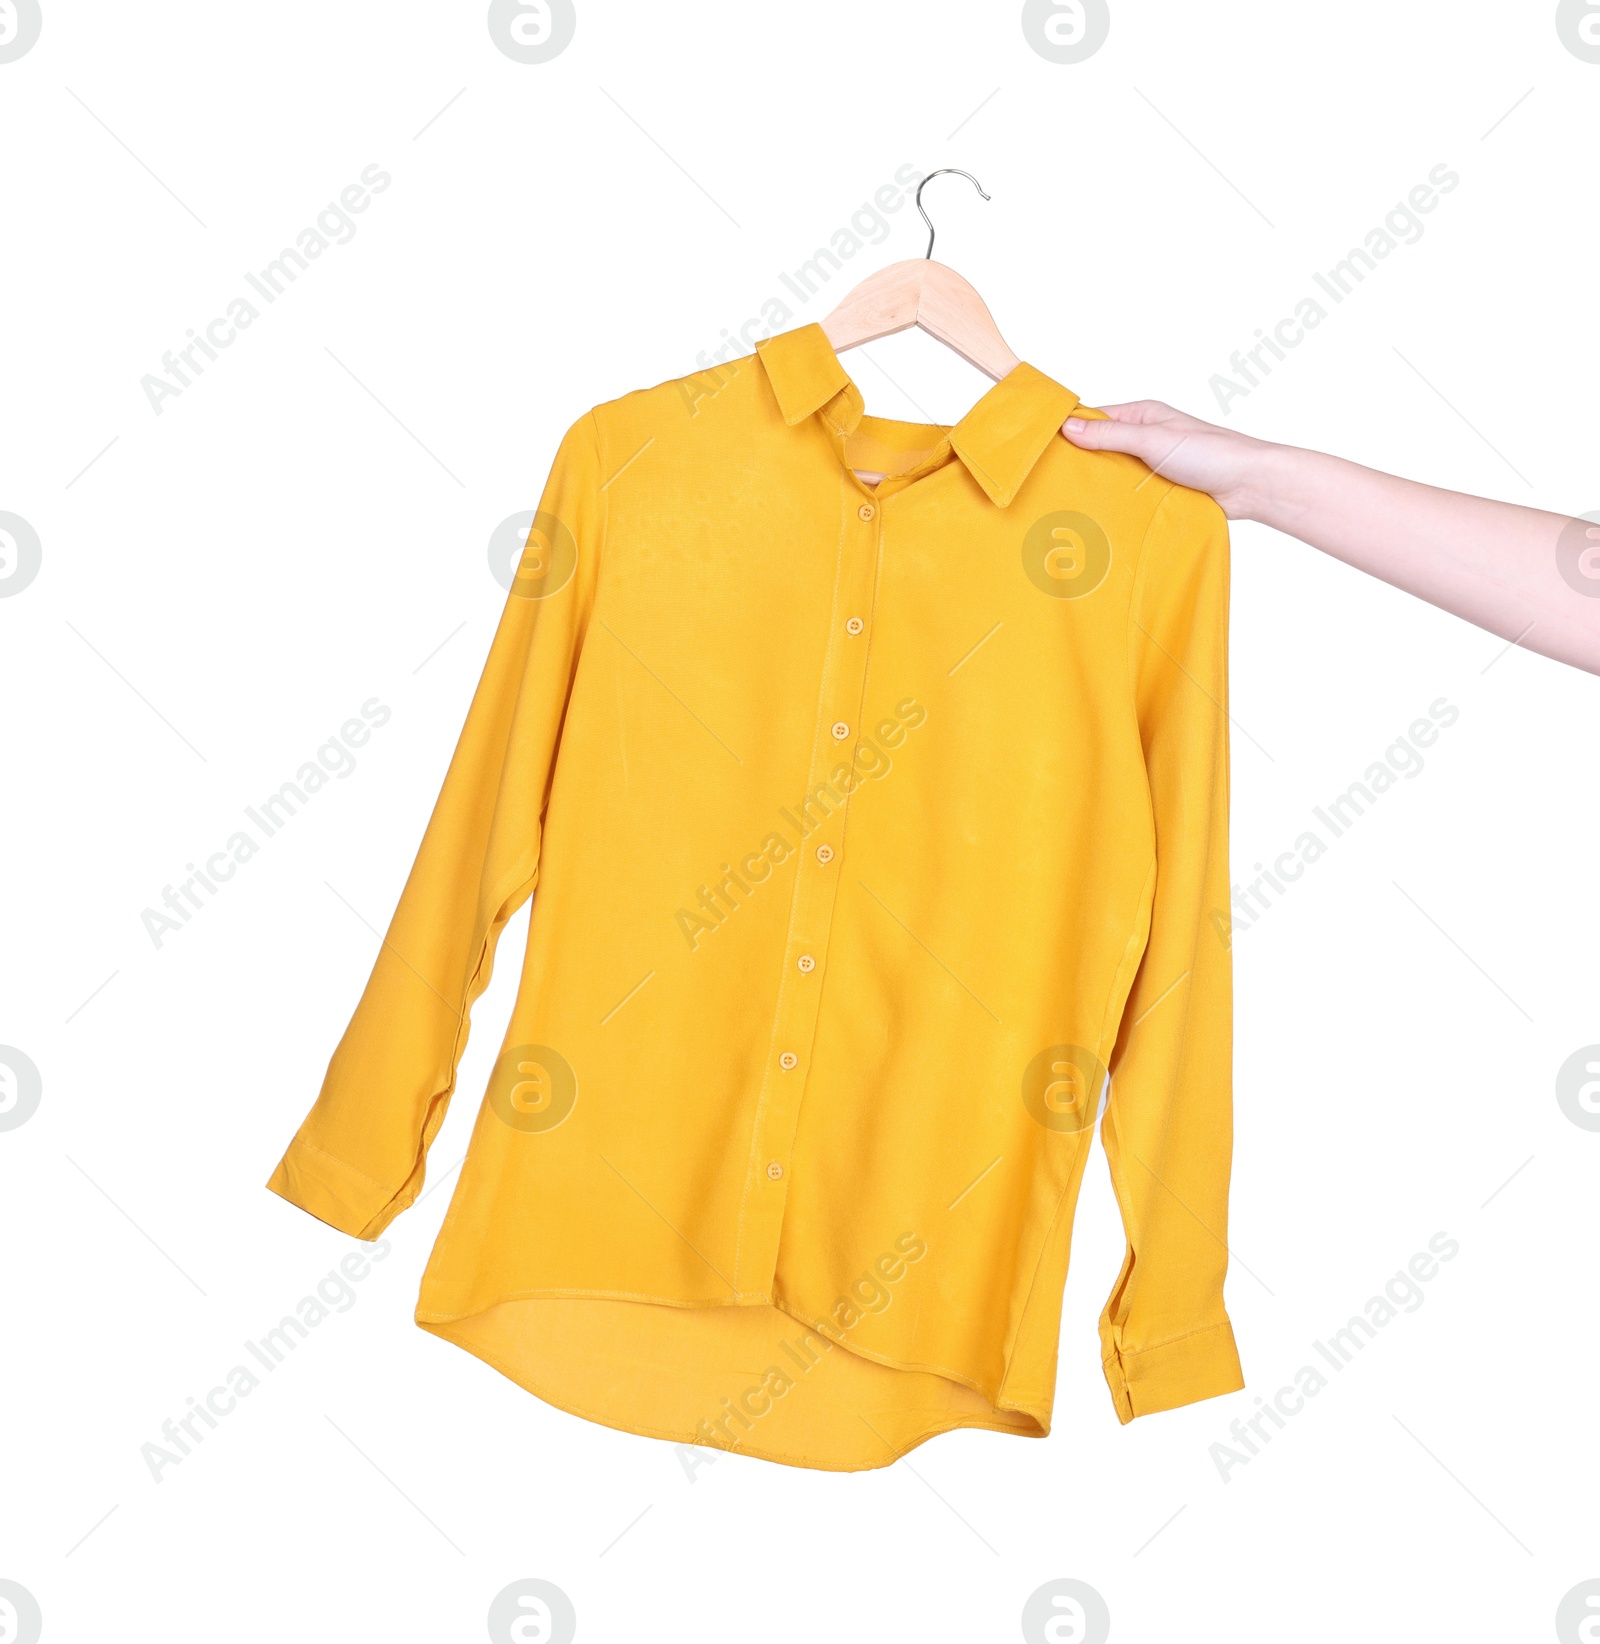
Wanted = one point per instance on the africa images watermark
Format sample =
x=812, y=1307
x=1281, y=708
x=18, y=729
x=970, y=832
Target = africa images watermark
x=1065, y=1611
x=21, y=1620
x=335, y=1293
x=1403, y=1293
x=718, y=902
x=21, y=1087
x=1402, y=758
x=335, y=758
x=20, y=554
x=1066, y=31
x=335, y=225
x=869, y=1294
x=1578, y=1613
x=868, y=225
x=1577, y=554
x=1578, y=25
x=530, y=1611
x=1577, y=1087
x=532, y=31
x=1402, y=226
x=20, y=24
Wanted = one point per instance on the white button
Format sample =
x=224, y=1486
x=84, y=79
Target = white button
x=775, y=1170
x=806, y=963
x=824, y=853
x=854, y=625
x=788, y=1059
x=840, y=731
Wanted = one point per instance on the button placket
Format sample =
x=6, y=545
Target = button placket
x=825, y=813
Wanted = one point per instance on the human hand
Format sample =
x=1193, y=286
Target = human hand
x=1410, y=535
x=1180, y=448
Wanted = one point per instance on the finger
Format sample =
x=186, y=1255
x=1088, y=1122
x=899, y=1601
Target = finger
x=1140, y=411
x=1097, y=435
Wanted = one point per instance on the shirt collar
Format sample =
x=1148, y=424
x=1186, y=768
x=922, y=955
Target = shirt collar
x=999, y=439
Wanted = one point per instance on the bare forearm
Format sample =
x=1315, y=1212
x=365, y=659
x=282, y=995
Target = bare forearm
x=1493, y=563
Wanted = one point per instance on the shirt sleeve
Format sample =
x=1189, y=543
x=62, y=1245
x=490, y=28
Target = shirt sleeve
x=1168, y=1127
x=359, y=1158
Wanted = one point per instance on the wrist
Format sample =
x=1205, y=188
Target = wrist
x=1258, y=485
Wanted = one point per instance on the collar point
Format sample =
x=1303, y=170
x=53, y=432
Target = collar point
x=803, y=370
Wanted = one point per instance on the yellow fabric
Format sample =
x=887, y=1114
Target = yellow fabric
x=782, y=1149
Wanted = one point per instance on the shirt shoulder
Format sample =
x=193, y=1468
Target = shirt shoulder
x=699, y=403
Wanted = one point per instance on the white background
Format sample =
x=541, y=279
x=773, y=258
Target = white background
x=306, y=528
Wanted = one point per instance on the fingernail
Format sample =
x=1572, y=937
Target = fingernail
x=1077, y=422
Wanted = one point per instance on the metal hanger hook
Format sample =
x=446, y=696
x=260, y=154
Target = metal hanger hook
x=944, y=171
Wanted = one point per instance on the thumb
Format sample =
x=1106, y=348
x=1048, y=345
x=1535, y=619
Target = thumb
x=1108, y=434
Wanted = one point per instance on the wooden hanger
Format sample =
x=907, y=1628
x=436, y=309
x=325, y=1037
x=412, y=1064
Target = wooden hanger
x=923, y=293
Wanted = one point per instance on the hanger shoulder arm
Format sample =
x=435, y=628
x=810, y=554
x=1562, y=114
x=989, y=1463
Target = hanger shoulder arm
x=882, y=304
x=952, y=311
x=927, y=294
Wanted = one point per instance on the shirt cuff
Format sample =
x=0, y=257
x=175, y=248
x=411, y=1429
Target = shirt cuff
x=333, y=1191
x=1201, y=1365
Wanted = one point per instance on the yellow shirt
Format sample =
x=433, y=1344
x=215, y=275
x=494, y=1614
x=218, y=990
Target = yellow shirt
x=872, y=822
